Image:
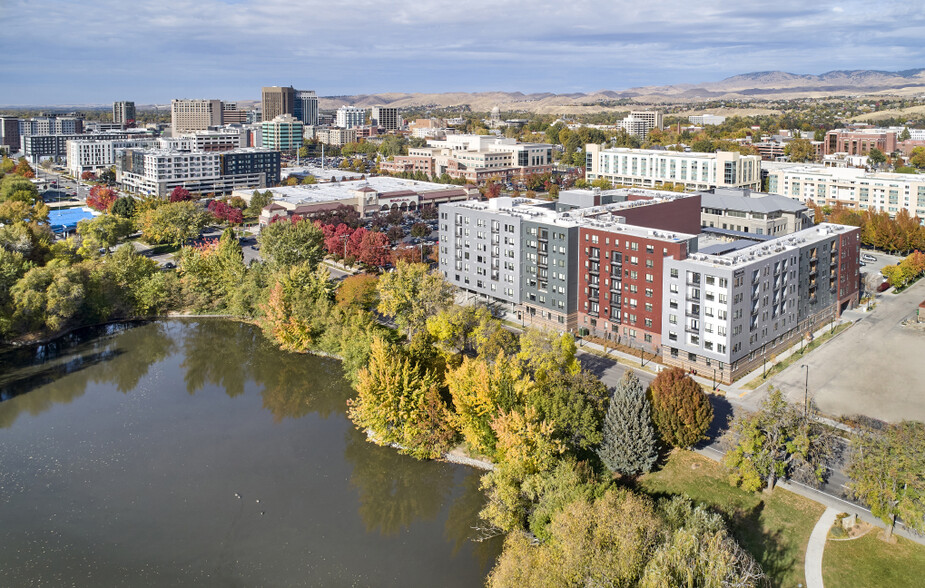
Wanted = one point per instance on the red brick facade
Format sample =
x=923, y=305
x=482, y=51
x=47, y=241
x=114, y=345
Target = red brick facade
x=849, y=274
x=627, y=309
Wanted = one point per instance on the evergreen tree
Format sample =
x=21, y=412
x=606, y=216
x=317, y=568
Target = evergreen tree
x=629, y=445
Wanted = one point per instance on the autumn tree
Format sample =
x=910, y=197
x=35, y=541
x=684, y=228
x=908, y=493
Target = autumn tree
x=629, y=444
x=369, y=247
x=546, y=352
x=887, y=472
x=480, y=391
x=681, y=411
x=101, y=198
x=258, y=201
x=102, y=232
x=288, y=243
x=799, y=150
x=357, y=291
x=180, y=194
x=398, y=402
x=575, y=404
x=776, y=442
x=174, y=223
x=411, y=294
x=420, y=230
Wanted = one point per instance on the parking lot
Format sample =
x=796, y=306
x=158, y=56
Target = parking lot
x=875, y=368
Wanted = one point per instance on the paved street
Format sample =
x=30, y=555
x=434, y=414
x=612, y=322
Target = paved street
x=875, y=368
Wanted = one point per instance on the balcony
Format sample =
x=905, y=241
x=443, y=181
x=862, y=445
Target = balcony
x=690, y=329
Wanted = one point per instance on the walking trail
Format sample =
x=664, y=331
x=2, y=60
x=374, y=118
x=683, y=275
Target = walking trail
x=816, y=547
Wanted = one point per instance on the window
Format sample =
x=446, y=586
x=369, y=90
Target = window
x=674, y=272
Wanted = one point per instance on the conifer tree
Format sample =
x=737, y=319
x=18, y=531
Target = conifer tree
x=629, y=445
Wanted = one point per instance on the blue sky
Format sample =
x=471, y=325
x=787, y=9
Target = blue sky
x=97, y=51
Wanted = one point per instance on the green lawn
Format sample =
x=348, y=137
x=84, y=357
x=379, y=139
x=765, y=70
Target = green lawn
x=870, y=562
x=774, y=528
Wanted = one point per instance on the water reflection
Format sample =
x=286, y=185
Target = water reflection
x=216, y=352
x=395, y=490
x=230, y=354
x=85, y=357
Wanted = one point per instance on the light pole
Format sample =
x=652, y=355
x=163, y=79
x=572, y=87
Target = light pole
x=714, y=379
x=806, y=391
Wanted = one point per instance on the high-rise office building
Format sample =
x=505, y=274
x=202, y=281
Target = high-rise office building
x=282, y=133
x=385, y=117
x=277, y=100
x=123, y=112
x=350, y=116
x=305, y=107
x=9, y=133
x=194, y=115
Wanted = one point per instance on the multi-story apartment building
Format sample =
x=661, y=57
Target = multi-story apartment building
x=51, y=125
x=156, y=172
x=283, y=133
x=851, y=187
x=386, y=118
x=247, y=161
x=476, y=158
x=349, y=117
x=335, y=136
x=123, y=112
x=651, y=168
x=639, y=122
x=305, y=107
x=525, y=254
x=277, y=101
x=725, y=313
x=93, y=156
x=752, y=212
x=9, y=133
x=38, y=147
x=194, y=115
x=224, y=139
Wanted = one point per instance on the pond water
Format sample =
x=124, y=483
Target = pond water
x=193, y=452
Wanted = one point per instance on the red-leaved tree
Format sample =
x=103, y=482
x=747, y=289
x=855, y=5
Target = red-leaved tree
x=101, y=198
x=223, y=211
x=334, y=238
x=179, y=194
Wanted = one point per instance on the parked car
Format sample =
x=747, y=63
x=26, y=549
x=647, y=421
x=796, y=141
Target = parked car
x=884, y=286
x=868, y=257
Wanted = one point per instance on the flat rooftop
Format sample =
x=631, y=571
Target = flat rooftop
x=742, y=256
x=335, y=191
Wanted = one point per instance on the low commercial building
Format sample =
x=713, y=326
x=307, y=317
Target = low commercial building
x=369, y=197
x=703, y=120
x=859, y=141
x=724, y=314
x=747, y=211
x=651, y=168
x=851, y=187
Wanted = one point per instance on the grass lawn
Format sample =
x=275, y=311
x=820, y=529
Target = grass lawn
x=870, y=562
x=774, y=528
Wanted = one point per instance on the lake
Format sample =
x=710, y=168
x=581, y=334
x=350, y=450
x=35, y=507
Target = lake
x=193, y=452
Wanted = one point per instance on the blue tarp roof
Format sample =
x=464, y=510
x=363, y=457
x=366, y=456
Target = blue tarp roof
x=66, y=219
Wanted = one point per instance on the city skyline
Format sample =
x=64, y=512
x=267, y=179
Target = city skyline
x=98, y=51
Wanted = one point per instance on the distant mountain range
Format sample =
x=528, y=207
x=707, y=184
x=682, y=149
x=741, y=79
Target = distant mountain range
x=757, y=85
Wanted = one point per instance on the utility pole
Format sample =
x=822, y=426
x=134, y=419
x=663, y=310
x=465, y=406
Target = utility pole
x=806, y=391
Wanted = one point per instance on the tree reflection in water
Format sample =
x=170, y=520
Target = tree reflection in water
x=41, y=376
x=395, y=490
x=229, y=354
x=464, y=514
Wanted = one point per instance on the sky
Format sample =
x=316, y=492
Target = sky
x=77, y=52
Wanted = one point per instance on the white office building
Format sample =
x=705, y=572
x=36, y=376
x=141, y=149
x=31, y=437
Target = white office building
x=93, y=156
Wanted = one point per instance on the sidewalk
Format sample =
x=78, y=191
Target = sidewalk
x=816, y=547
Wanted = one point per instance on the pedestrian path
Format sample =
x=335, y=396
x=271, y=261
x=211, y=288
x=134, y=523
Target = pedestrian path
x=816, y=547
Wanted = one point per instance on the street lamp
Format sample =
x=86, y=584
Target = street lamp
x=806, y=391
